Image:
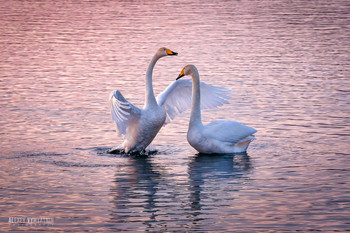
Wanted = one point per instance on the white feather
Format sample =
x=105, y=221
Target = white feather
x=123, y=112
x=176, y=98
x=228, y=131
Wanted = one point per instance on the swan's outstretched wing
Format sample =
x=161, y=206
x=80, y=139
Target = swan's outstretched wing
x=228, y=131
x=123, y=112
x=176, y=98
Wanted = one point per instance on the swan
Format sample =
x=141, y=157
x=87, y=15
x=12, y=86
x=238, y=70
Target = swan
x=139, y=126
x=216, y=137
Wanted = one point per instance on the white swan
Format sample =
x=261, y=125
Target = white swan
x=218, y=136
x=140, y=126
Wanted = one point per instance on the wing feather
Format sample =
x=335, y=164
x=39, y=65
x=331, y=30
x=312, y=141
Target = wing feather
x=176, y=98
x=228, y=131
x=123, y=112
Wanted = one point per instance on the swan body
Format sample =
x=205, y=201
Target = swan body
x=216, y=137
x=139, y=126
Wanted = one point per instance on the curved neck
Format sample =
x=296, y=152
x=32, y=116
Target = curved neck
x=149, y=96
x=196, y=119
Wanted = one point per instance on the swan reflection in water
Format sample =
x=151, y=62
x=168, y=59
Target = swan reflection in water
x=147, y=196
x=134, y=192
x=215, y=181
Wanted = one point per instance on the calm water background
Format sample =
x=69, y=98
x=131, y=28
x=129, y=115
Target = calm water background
x=287, y=62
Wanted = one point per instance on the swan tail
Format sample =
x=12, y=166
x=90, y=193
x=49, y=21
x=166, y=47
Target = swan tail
x=242, y=145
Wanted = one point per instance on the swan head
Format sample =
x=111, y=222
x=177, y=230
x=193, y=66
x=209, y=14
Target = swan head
x=162, y=52
x=187, y=70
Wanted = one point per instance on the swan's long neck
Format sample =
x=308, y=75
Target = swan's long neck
x=149, y=97
x=196, y=120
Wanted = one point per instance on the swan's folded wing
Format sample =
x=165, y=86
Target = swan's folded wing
x=123, y=112
x=176, y=98
x=228, y=131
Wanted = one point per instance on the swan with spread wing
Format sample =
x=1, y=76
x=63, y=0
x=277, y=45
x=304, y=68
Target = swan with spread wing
x=216, y=137
x=139, y=126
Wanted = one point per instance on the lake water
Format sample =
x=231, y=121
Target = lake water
x=287, y=63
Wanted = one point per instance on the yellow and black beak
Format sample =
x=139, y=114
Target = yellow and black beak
x=169, y=52
x=181, y=74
